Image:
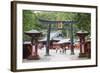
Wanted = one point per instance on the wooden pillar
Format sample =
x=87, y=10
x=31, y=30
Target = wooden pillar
x=36, y=47
x=82, y=36
x=82, y=44
x=34, y=53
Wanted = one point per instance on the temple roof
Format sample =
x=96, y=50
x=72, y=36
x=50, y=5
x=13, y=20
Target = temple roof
x=32, y=31
x=67, y=40
x=82, y=31
x=57, y=35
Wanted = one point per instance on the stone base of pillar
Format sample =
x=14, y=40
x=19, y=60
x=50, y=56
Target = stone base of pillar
x=82, y=55
x=88, y=55
x=35, y=57
x=47, y=55
x=72, y=53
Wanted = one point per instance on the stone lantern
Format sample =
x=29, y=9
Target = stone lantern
x=34, y=34
x=82, y=35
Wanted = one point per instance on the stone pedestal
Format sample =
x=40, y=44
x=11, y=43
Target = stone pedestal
x=34, y=51
x=82, y=35
x=34, y=34
x=88, y=48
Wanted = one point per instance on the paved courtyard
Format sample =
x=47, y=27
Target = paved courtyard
x=56, y=56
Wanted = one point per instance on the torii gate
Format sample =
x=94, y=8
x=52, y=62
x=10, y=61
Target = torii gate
x=49, y=22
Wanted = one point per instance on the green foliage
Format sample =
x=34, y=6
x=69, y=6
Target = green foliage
x=84, y=21
x=30, y=21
